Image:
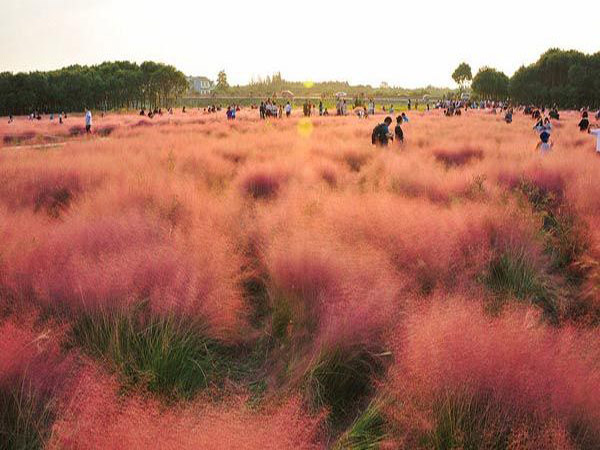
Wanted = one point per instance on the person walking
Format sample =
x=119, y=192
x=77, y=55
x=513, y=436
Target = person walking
x=288, y=109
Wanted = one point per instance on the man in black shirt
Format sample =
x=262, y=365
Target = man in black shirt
x=398, y=130
x=584, y=123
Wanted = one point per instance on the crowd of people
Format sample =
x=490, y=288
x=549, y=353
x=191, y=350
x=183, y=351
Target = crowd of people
x=382, y=134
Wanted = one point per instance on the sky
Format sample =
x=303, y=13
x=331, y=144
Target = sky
x=409, y=44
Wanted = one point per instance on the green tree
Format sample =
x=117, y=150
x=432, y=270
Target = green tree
x=490, y=84
x=462, y=75
x=222, y=85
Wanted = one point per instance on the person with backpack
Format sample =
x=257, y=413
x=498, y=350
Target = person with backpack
x=381, y=133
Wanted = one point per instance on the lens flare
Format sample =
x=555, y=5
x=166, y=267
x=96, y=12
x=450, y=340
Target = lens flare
x=308, y=84
x=305, y=127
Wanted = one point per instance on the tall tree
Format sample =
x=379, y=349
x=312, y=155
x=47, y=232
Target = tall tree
x=222, y=85
x=490, y=84
x=462, y=75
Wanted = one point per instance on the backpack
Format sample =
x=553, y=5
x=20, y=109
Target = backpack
x=378, y=136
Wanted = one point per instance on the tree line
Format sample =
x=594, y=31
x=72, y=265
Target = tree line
x=110, y=85
x=568, y=79
x=274, y=85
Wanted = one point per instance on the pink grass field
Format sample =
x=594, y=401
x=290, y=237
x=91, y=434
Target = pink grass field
x=358, y=253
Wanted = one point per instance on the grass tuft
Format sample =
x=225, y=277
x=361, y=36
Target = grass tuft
x=26, y=417
x=511, y=273
x=366, y=432
x=163, y=354
x=341, y=379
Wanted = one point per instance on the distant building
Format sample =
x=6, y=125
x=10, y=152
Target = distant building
x=201, y=85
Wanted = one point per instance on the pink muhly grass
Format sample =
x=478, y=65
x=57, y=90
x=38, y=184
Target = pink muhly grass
x=263, y=182
x=32, y=357
x=97, y=418
x=45, y=189
x=458, y=157
x=25, y=136
x=525, y=371
x=109, y=263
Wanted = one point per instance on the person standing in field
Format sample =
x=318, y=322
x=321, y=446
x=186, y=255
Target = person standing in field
x=320, y=107
x=288, y=109
x=596, y=132
x=545, y=143
x=88, y=121
x=381, y=133
x=398, y=133
x=584, y=123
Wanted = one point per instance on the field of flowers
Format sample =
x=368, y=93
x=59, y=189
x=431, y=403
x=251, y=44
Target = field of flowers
x=192, y=282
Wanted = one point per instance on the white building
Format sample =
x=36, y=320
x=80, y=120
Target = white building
x=201, y=85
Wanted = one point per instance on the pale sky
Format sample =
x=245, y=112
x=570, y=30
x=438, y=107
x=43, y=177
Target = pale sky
x=404, y=43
